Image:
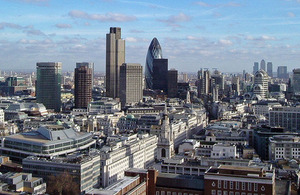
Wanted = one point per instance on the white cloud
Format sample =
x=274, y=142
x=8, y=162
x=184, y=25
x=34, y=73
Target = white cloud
x=174, y=20
x=108, y=17
x=62, y=25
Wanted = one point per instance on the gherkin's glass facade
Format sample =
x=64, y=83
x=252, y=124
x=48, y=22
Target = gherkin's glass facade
x=154, y=52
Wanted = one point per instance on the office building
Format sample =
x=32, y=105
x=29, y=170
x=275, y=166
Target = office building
x=154, y=52
x=239, y=180
x=255, y=67
x=133, y=151
x=284, y=147
x=203, y=83
x=46, y=141
x=263, y=65
x=236, y=84
x=48, y=84
x=261, y=84
x=286, y=117
x=160, y=74
x=270, y=69
x=83, y=167
x=296, y=81
x=83, y=84
x=282, y=72
x=23, y=183
x=131, y=83
x=115, y=57
x=172, y=83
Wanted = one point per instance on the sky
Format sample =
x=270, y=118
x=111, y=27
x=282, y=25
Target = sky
x=227, y=35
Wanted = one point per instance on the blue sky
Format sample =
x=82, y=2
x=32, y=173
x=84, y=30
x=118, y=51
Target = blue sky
x=228, y=35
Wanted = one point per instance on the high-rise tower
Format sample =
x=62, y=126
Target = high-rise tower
x=261, y=84
x=48, y=84
x=282, y=72
x=115, y=57
x=160, y=74
x=131, y=83
x=83, y=84
x=255, y=67
x=154, y=52
x=270, y=69
x=263, y=65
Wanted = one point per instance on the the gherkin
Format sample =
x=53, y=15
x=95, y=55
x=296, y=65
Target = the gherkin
x=154, y=52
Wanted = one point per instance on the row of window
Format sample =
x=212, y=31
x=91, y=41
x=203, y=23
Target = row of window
x=238, y=185
x=214, y=192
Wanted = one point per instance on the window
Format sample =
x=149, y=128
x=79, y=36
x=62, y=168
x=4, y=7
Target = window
x=237, y=193
x=249, y=186
x=219, y=192
x=219, y=184
x=231, y=184
x=243, y=185
x=225, y=184
x=157, y=192
x=255, y=187
x=225, y=193
x=213, y=192
x=237, y=185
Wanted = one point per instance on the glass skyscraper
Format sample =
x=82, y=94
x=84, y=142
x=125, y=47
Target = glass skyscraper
x=154, y=52
x=48, y=84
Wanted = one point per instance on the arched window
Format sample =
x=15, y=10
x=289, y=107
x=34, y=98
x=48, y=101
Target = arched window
x=163, y=153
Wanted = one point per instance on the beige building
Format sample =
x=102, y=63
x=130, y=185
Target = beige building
x=131, y=83
x=115, y=57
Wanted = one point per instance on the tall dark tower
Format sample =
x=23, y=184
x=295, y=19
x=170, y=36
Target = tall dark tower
x=48, y=84
x=160, y=74
x=115, y=57
x=83, y=84
x=154, y=52
x=172, y=83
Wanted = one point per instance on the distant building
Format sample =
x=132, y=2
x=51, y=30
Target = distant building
x=263, y=65
x=1, y=117
x=48, y=84
x=203, y=85
x=172, y=83
x=83, y=84
x=154, y=52
x=261, y=84
x=270, y=69
x=160, y=74
x=131, y=83
x=236, y=84
x=296, y=81
x=255, y=67
x=282, y=72
x=239, y=180
x=115, y=57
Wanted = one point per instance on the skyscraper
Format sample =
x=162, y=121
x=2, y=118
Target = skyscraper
x=282, y=72
x=261, y=84
x=296, y=81
x=115, y=57
x=172, y=83
x=203, y=83
x=83, y=84
x=131, y=83
x=255, y=67
x=154, y=52
x=236, y=84
x=270, y=69
x=48, y=84
x=160, y=74
x=263, y=65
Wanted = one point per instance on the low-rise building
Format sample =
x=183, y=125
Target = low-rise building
x=83, y=167
x=284, y=147
x=21, y=182
x=47, y=141
x=233, y=180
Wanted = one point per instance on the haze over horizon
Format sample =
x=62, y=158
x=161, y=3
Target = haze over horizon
x=228, y=35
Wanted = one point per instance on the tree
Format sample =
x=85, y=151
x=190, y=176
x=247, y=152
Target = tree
x=62, y=184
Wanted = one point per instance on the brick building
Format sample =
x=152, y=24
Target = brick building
x=231, y=180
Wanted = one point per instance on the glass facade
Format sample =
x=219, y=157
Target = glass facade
x=154, y=52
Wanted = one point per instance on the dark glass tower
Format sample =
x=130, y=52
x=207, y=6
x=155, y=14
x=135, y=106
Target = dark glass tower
x=160, y=74
x=154, y=52
x=48, y=84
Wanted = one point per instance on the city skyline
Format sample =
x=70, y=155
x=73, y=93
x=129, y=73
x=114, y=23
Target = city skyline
x=193, y=34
